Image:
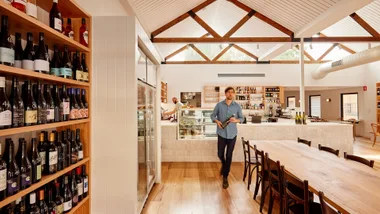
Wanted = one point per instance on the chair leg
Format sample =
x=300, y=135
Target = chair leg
x=271, y=201
x=374, y=140
x=281, y=204
x=263, y=194
x=245, y=171
x=249, y=176
x=258, y=182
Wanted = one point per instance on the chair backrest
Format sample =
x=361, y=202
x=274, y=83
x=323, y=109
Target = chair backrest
x=260, y=160
x=292, y=183
x=369, y=163
x=306, y=142
x=328, y=149
x=375, y=127
x=246, y=150
x=326, y=209
x=275, y=174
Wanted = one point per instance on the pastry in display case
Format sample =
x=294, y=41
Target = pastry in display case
x=196, y=124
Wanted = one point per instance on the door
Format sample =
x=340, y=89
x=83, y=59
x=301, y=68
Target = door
x=150, y=135
x=151, y=73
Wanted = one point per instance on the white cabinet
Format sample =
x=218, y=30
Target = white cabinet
x=141, y=67
x=151, y=73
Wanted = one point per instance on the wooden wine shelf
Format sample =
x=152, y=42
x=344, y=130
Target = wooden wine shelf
x=32, y=75
x=68, y=8
x=44, y=180
x=79, y=205
x=24, y=129
x=20, y=22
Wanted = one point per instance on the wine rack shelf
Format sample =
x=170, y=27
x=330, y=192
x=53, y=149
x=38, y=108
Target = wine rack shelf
x=12, y=131
x=20, y=22
x=44, y=180
x=8, y=71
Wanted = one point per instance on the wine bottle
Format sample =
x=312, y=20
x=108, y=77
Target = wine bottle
x=79, y=181
x=42, y=204
x=59, y=200
x=18, y=51
x=65, y=70
x=24, y=164
x=50, y=107
x=80, y=104
x=43, y=153
x=41, y=106
x=84, y=101
x=33, y=209
x=227, y=121
x=41, y=62
x=3, y=177
x=67, y=196
x=66, y=149
x=83, y=33
x=85, y=181
x=52, y=206
x=304, y=118
x=36, y=162
x=8, y=142
x=13, y=173
x=35, y=49
x=53, y=155
x=74, y=149
x=66, y=104
x=74, y=188
x=77, y=67
x=74, y=107
x=20, y=207
x=30, y=107
x=17, y=105
x=5, y=107
x=28, y=55
x=19, y=4
x=85, y=68
x=7, y=54
x=31, y=8
x=55, y=17
x=79, y=145
x=296, y=118
x=61, y=155
x=69, y=30
x=55, y=62
x=58, y=108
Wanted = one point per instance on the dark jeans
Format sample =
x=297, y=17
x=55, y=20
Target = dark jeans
x=226, y=156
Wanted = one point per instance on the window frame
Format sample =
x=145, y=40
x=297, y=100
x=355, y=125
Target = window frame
x=341, y=103
x=287, y=101
x=320, y=104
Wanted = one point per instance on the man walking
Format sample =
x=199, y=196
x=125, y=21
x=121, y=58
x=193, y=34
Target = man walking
x=226, y=115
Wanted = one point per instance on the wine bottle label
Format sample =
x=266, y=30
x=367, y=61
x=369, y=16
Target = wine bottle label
x=65, y=72
x=54, y=71
x=85, y=37
x=85, y=185
x=18, y=117
x=41, y=115
x=50, y=114
x=43, y=159
x=82, y=113
x=23, y=2
x=86, y=112
x=71, y=34
x=78, y=115
x=12, y=186
x=7, y=55
x=80, y=188
x=74, y=157
x=3, y=179
x=41, y=65
x=8, y=1
x=79, y=74
x=75, y=199
x=28, y=64
x=59, y=209
x=31, y=116
x=66, y=108
x=31, y=10
x=67, y=206
x=80, y=155
x=25, y=179
x=85, y=76
x=6, y=118
x=53, y=158
x=18, y=63
x=38, y=172
x=58, y=24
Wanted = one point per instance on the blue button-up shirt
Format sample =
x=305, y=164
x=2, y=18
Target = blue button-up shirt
x=222, y=112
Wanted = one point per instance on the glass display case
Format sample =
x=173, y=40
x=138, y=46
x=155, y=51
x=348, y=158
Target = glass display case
x=196, y=124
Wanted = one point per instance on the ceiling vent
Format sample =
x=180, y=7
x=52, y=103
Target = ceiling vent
x=240, y=75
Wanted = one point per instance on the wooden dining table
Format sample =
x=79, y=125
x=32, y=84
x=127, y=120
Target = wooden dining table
x=349, y=186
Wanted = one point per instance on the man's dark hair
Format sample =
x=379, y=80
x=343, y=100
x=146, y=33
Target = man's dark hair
x=229, y=88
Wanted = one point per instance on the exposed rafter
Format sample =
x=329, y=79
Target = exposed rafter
x=199, y=52
x=204, y=24
x=239, y=24
x=245, y=62
x=306, y=54
x=245, y=52
x=263, y=18
x=182, y=49
x=181, y=18
x=327, y=52
x=365, y=25
x=349, y=50
x=222, y=52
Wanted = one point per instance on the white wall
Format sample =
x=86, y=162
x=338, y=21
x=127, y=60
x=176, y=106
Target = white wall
x=102, y=7
x=371, y=76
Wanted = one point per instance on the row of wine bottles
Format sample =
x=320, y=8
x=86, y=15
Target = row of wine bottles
x=36, y=105
x=56, y=21
x=300, y=118
x=59, y=196
x=48, y=157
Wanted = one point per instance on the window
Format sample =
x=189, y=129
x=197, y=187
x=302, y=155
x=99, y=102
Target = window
x=315, y=105
x=349, y=106
x=291, y=102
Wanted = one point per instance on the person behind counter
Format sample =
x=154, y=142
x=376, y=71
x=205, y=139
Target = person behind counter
x=227, y=114
x=178, y=106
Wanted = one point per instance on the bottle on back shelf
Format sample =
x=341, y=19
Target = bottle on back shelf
x=74, y=108
x=20, y=207
x=19, y=4
x=79, y=181
x=30, y=107
x=17, y=105
x=41, y=202
x=5, y=107
x=79, y=145
x=31, y=8
x=41, y=62
x=61, y=154
x=74, y=188
x=24, y=164
x=67, y=196
x=13, y=172
x=41, y=105
x=80, y=104
x=83, y=33
x=58, y=108
x=77, y=67
x=55, y=63
x=52, y=206
x=85, y=68
x=3, y=176
x=84, y=101
x=55, y=17
x=7, y=54
x=36, y=162
x=85, y=181
x=304, y=118
x=67, y=148
x=74, y=148
x=59, y=200
x=28, y=55
x=18, y=51
x=42, y=147
x=53, y=155
x=33, y=208
x=69, y=30
x=66, y=104
x=49, y=104
x=65, y=70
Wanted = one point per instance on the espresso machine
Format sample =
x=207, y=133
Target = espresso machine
x=278, y=111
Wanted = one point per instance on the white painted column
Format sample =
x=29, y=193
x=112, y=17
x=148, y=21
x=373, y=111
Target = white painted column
x=302, y=76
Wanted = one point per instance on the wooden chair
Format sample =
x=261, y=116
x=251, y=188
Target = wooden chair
x=261, y=177
x=297, y=196
x=326, y=209
x=306, y=142
x=275, y=183
x=375, y=132
x=328, y=149
x=369, y=163
x=248, y=162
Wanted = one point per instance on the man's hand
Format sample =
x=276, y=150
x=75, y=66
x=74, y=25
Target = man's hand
x=218, y=123
x=234, y=120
